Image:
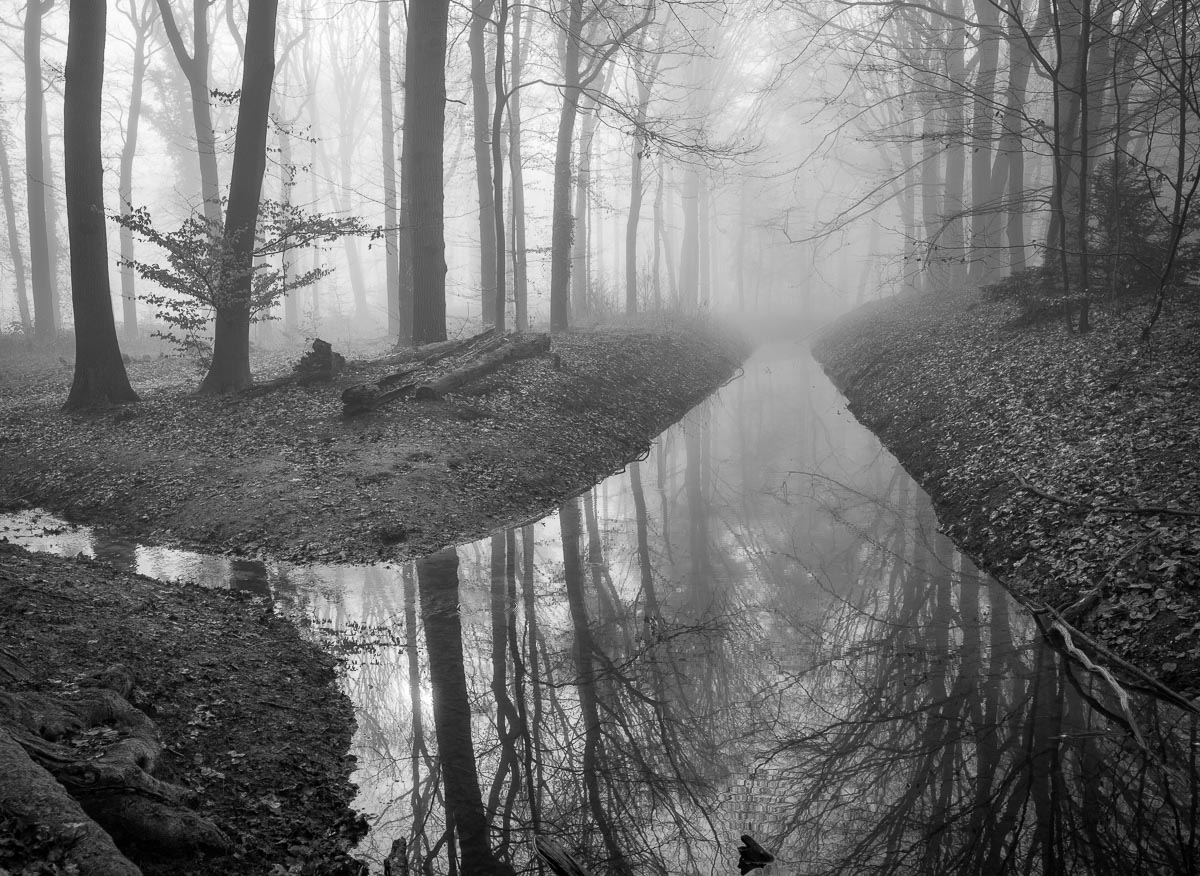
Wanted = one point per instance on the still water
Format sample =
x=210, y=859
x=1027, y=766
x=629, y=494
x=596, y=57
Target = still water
x=755, y=629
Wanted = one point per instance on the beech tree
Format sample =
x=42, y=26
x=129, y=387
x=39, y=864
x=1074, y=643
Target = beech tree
x=230, y=367
x=422, y=163
x=14, y=238
x=141, y=16
x=100, y=376
x=41, y=265
x=388, y=155
x=195, y=66
x=592, y=34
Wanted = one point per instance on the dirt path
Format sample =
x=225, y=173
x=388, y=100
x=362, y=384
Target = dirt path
x=248, y=709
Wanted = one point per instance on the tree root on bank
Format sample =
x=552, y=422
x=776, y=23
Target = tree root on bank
x=81, y=769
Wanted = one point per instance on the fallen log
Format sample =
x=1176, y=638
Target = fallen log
x=363, y=397
x=510, y=351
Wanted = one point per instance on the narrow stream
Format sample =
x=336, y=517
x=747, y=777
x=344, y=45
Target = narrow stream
x=756, y=629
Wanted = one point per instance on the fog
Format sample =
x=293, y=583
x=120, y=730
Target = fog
x=838, y=152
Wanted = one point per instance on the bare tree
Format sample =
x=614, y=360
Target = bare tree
x=100, y=376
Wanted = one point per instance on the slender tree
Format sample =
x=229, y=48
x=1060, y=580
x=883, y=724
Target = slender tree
x=14, y=240
x=481, y=15
x=100, y=376
x=388, y=133
x=230, y=367
x=141, y=16
x=195, y=67
x=40, y=265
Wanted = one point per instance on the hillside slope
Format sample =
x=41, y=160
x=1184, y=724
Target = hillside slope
x=1066, y=464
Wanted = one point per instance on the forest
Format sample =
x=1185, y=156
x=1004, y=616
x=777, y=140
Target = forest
x=368, y=317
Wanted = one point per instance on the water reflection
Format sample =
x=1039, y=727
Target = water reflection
x=757, y=629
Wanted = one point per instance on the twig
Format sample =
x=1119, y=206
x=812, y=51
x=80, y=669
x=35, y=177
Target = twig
x=1148, y=510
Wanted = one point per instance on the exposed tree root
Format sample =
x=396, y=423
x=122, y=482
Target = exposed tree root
x=82, y=768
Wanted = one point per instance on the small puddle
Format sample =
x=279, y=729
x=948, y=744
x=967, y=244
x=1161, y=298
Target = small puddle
x=756, y=629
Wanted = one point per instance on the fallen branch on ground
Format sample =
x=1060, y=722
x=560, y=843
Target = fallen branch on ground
x=510, y=351
x=364, y=397
x=1148, y=510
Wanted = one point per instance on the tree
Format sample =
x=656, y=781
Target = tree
x=591, y=36
x=195, y=69
x=422, y=163
x=481, y=14
x=40, y=266
x=388, y=132
x=14, y=241
x=437, y=577
x=141, y=17
x=100, y=376
x=230, y=367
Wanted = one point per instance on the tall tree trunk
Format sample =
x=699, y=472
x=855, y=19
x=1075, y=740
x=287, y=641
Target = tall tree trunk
x=645, y=81
x=141, y=25
x=660, y=242
x=14, y=240
x=704, y=241
x=516, y=172
x=40, y=267
x=581, y=246
x=498, y=170
x=985, y=216
x=689, y=251
x=932, y=184
x=563, y=222
x=100, y=376
x=388, y=134
x=1011, y=179
x=195, y=69
x=954, y=207
x=230, y=368
x=291, y=315
x=481, y=14
x=424, y=136
x=52, y=211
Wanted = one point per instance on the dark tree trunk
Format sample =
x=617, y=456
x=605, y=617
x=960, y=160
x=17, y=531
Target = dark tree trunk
x=14, y=241
x=230, y=368
x=498, y=245
x=481, y=15
x=424, y=122
x=388, y=132
x=35, y=176
x=517, y=185
x=563, y=227
x=100, y=376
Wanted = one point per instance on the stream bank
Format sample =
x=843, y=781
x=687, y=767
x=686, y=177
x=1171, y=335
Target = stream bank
x=1065, y=464
x=248, y=709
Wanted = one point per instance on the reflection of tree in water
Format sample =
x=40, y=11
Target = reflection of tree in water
x=952, y=743
x=784, y=646
x=437, y=577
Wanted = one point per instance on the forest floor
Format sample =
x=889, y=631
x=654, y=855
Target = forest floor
x=248, y=709
x=1066, y=464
